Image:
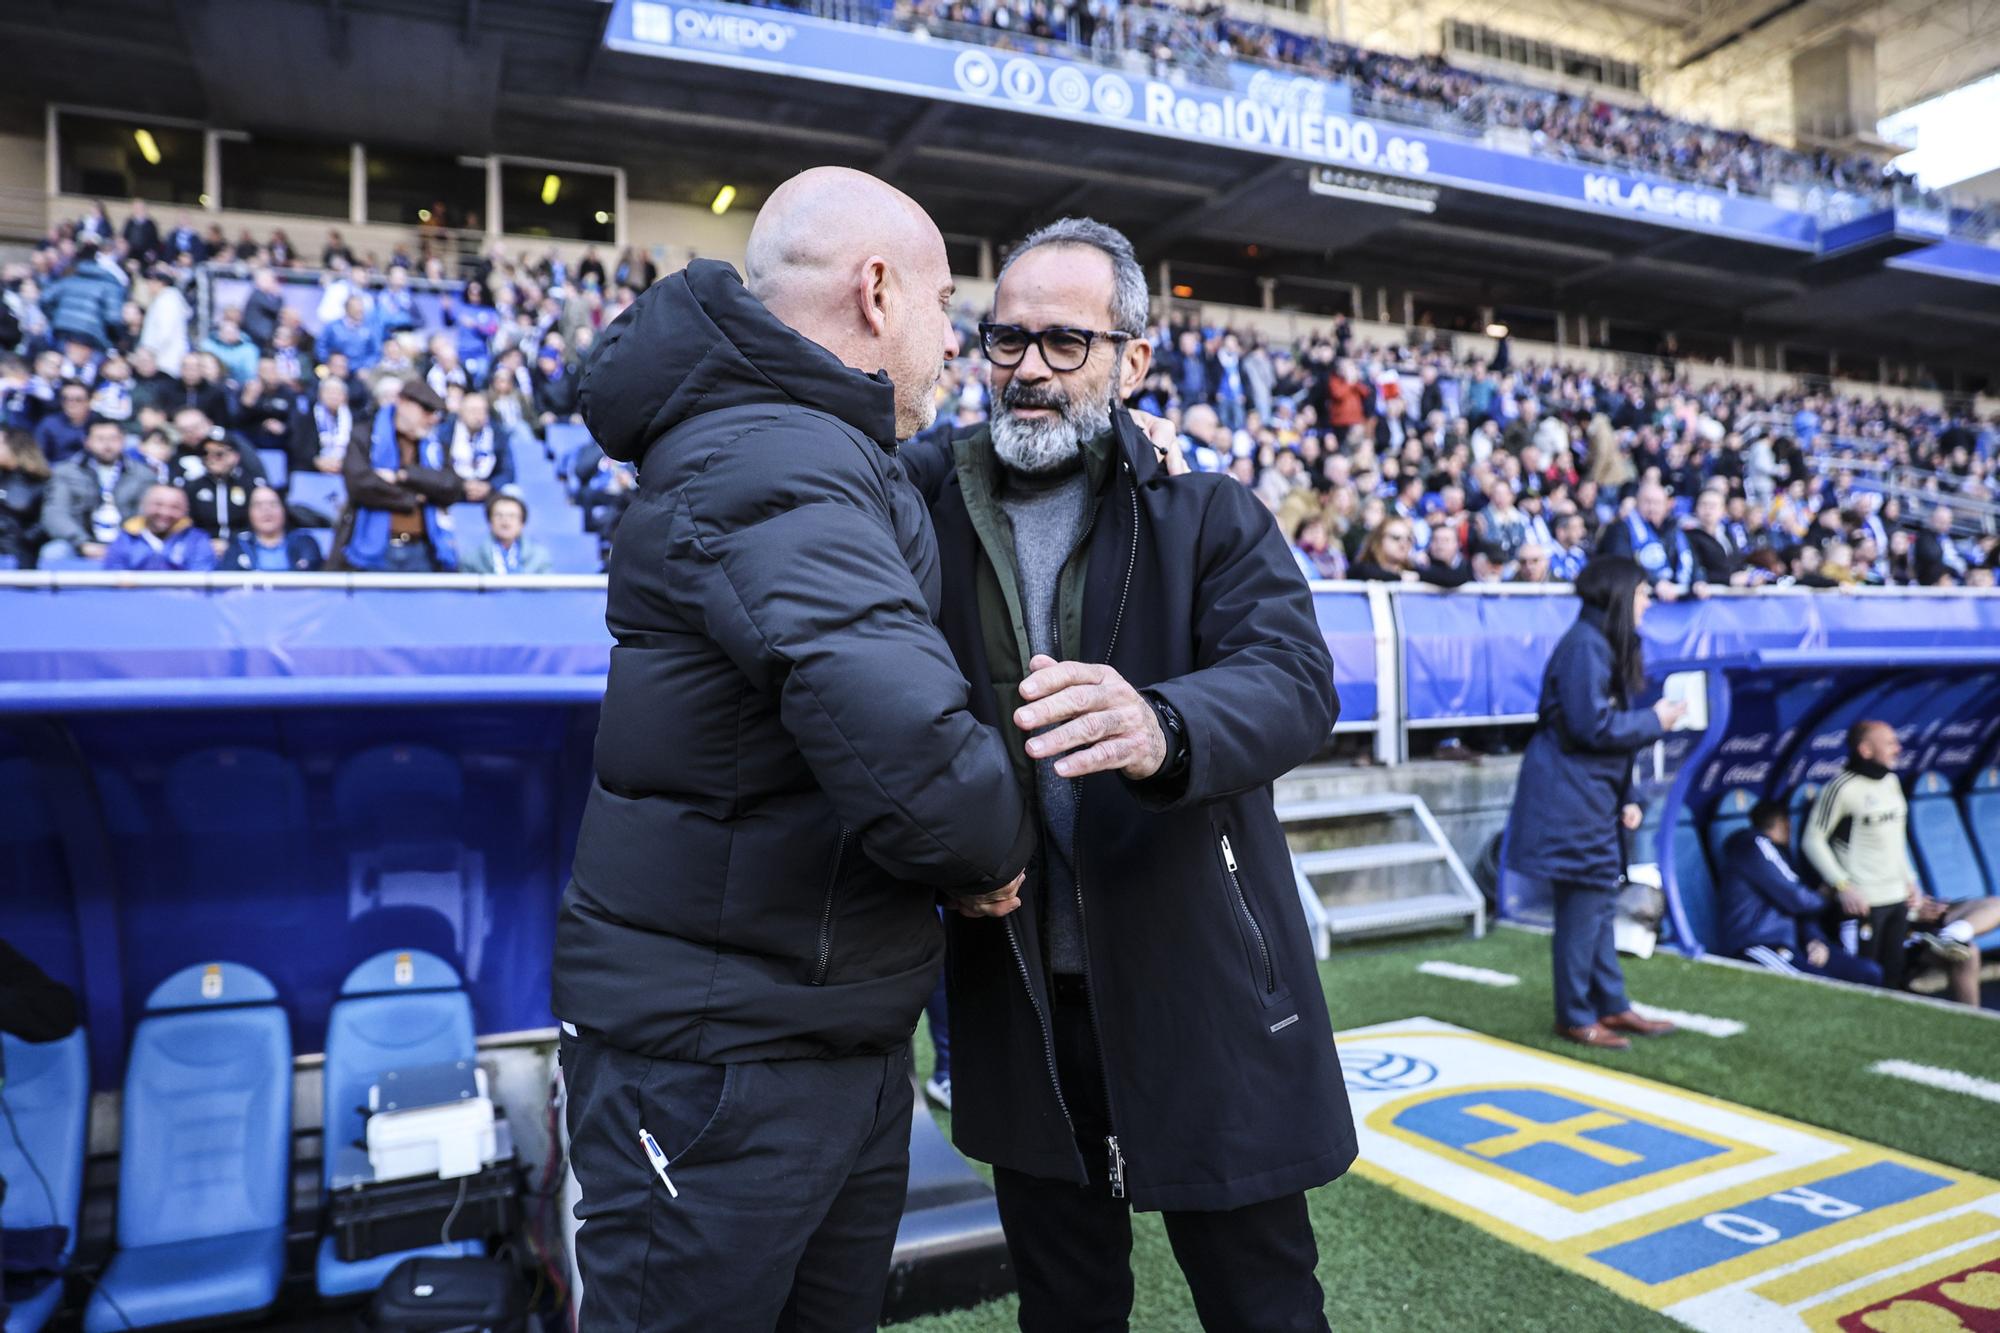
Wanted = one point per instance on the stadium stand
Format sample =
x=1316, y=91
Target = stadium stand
x=1821, y=488
x=1197, y=42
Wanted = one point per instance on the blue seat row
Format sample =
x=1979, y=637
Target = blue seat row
x=1954, y=841
x=206, y=1149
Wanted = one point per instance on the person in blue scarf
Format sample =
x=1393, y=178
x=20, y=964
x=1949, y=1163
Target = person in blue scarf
x=1649, y=535
x=400, y=490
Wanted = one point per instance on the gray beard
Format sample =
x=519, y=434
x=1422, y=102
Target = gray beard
x=1038, y=448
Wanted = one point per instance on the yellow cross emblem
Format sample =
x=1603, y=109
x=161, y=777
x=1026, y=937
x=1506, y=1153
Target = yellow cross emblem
x=1525, y=1133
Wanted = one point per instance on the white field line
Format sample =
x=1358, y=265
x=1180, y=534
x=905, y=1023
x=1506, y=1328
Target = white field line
x=1702, y=1023
x=1480, y=976
x=1951, y=1080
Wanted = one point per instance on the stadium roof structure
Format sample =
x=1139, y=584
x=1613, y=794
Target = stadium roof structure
x=545, y=78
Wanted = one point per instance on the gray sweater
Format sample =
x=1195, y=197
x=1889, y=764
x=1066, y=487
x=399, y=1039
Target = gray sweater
x=1048, y=514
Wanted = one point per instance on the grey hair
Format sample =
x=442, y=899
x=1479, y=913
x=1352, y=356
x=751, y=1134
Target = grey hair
x=1130, y=306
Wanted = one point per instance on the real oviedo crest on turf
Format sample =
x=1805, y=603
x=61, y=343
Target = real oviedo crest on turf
x=1721, y=1217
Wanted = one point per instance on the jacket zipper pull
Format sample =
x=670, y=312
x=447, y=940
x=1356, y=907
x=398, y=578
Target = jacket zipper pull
x=1117, y=1167
x=1228, y=856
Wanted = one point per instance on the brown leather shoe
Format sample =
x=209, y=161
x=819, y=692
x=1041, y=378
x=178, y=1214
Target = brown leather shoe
x=1595, y=1034
x=1631, y=1021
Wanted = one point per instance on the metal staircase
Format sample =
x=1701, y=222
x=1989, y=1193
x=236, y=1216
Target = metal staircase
x=1449, y=898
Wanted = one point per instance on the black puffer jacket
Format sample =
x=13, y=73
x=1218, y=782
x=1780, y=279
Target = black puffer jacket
x=786, y=764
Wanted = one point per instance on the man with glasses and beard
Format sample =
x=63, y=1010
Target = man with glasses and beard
x=1148, y=1031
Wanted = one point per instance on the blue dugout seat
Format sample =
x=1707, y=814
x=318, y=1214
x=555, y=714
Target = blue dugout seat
x=205, y=1155
x=400, y=810
x=47, y=1092
x=1731, y=813
x=1697, y=885
x=1946, y=857
x=398, y=1010
x=1982, y=821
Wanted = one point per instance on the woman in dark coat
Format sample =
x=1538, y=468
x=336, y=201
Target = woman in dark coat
x=1575, y=791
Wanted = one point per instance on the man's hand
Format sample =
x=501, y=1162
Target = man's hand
x=995, y=904
x=327, y=466
x=1816, y=952
x=1852, y=903
x=477, y=490
x=1105, y=727
x=1631, y=817
x=1166, y=442
x=1915, y=898
x=1666, y=590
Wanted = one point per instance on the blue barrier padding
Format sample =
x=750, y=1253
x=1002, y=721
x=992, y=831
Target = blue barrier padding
x=1349, y=631
x=348, y=641
x=1444, y=659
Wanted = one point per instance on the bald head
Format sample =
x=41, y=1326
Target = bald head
x=858, y=267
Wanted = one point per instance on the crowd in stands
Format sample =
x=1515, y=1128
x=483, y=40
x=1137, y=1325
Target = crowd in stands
x=1427, y=88
x=1407, y=463
x=1411, y=463
x=137, y=435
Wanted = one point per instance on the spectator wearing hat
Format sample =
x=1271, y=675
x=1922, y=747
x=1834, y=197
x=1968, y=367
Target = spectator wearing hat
x=194, y=429
x=400, y=485
x=219, y=494
x=265, y=545
x=507, y=550
x=161, y=538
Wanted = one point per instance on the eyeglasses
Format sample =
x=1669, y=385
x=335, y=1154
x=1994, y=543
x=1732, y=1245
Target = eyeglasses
x=1006, y=345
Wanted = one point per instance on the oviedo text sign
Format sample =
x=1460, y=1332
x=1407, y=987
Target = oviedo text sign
x=1723, y=1218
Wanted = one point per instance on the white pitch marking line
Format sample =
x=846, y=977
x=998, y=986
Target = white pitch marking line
x=1481, y=976
x=1702, y=1023
x=1951, y=1080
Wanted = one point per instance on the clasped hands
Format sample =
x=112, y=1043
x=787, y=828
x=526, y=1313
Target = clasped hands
x=1097, y=723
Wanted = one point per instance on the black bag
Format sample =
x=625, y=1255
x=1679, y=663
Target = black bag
x=434, y=1295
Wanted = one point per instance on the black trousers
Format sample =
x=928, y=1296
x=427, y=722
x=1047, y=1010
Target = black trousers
x=1250, y=1268
x=1885, y=939
x=788, y=1183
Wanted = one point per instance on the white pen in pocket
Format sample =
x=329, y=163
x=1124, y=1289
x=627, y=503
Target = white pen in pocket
x=658, y=1159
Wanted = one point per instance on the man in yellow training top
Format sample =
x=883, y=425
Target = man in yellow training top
x=1858, y=838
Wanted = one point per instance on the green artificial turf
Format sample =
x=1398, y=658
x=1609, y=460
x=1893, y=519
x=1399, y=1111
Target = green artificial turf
x=1388, y=1262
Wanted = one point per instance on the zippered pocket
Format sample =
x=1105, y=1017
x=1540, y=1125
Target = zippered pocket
x=823, y=958
x=1264, y=970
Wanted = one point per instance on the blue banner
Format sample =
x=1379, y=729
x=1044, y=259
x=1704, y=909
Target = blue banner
x=1265, y=112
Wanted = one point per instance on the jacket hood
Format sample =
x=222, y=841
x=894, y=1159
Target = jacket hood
x=697, y=342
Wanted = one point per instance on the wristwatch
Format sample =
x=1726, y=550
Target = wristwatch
x=1175, y=731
